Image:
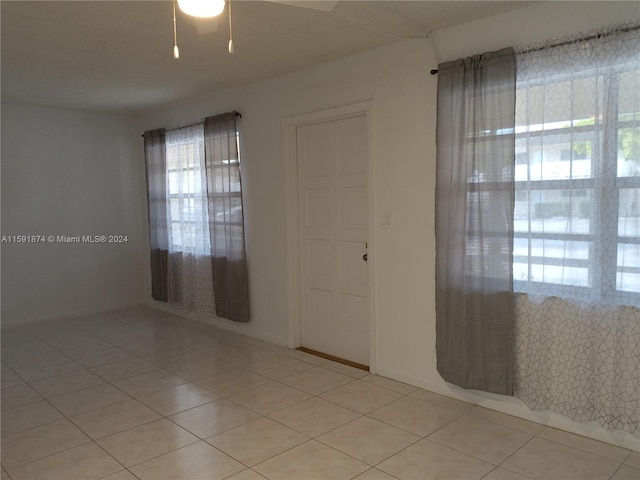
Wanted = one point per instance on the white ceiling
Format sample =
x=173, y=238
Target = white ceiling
x=116, y=56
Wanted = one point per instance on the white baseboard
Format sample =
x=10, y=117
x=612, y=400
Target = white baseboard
x=515, y=407
x=243, y=328
x=72, y=314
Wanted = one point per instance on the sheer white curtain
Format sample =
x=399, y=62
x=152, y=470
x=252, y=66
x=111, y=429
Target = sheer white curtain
x=577, y=228
x=190, y=278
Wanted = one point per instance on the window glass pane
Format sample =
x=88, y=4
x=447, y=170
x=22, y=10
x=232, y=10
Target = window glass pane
x=629, y=151
x=555, y=157
x=585, y=96
x=553, y=211
x=628, y=282
x=559, y=105
x=560, y=275
x=561, y=149
x=191, y=181
x=175, y=208
x=629, y=212
x=235, y=210
x=529, y=108
x=173, y=180
x=543, y=253
x=574, y=250
x=188, y=181
x=560, y=249
x=628, y=267
x=629, y=96
x=225, y=181
x=172, y=157
x=187, y=209
x=520, y=247
x=218, y=209
x=176, y=234
x=629, y=118
x=237, y=234
x=520, y=271
x=552, y=274
x=227, y=209
x=628, y=255
x=487, y=257
x=484, y=152
x=188, y=236
x=235, y=239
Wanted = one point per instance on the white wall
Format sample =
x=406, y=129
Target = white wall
x=547, y=20
x=403, y=148
x=70, y=173
x=86, y=176
x=397, y=81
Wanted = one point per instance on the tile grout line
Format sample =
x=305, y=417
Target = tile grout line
x=261, y=416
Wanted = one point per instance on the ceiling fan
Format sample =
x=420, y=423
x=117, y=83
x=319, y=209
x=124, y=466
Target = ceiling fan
x=205, y=13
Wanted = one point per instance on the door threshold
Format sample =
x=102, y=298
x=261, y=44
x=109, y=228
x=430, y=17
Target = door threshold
x=334, y=358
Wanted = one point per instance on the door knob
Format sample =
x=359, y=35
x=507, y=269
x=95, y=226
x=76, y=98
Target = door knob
x=364, y=257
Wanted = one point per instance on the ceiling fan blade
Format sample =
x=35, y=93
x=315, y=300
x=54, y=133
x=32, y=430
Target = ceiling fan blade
x=323, y=5
x=206, y=25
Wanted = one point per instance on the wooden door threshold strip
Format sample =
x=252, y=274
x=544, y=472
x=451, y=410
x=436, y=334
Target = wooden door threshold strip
x=334, y=359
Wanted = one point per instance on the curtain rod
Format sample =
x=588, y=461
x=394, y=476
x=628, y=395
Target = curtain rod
x=581, y=39
x=569, y=42
x=236, y=113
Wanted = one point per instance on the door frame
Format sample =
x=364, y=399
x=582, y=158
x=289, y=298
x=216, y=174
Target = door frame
x=293, y=272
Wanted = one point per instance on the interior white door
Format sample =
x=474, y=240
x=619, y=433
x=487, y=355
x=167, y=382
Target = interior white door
x=334, y=211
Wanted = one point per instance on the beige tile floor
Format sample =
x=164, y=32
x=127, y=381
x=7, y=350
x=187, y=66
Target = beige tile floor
x=141, y=394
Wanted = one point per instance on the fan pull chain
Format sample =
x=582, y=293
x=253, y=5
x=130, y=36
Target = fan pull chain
x=230, y=30
x=176, y=51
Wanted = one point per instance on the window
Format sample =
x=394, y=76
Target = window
x=196, y=233
x=577, y=174
x=225, y=193
x=188, y=209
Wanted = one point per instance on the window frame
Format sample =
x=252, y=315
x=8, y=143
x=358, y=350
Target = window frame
x=601, y=263
x=195, y=196
x=209, y=196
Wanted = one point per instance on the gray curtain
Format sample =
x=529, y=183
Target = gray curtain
x=226, y=217
x=474, y=221
x=156, y=166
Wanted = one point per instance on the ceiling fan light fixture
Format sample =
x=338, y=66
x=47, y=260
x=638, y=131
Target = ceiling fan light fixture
x=201, y=8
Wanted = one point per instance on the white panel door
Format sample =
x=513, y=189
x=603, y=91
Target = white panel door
x=334, y=212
